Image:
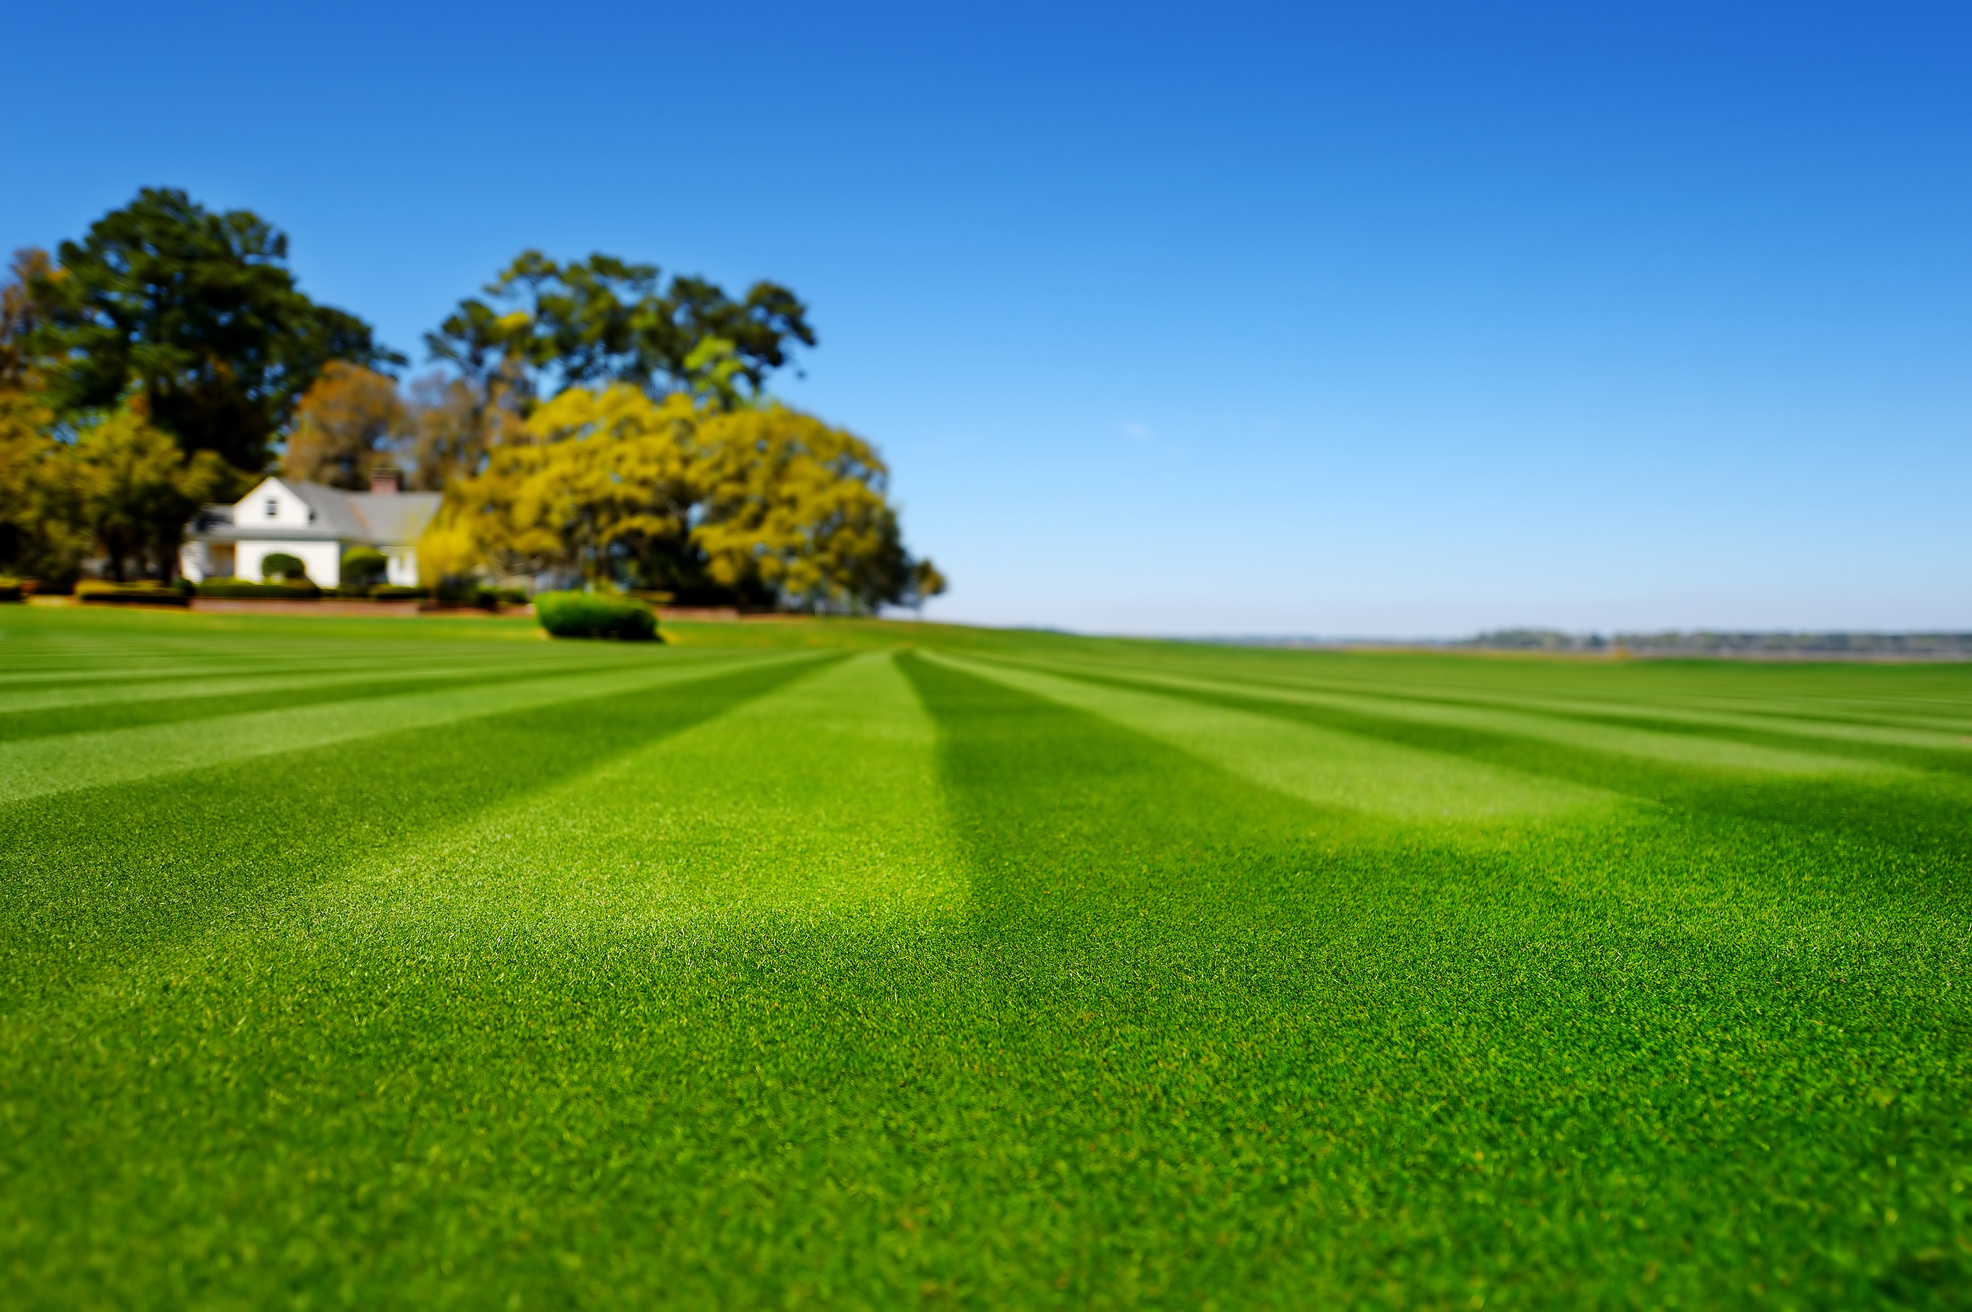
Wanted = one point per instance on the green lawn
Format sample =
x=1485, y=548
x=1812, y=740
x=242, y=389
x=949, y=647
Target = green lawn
x=427, y=963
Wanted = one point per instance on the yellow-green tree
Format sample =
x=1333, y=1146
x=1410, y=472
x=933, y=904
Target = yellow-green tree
x=40, y=503
x=133, y=490
x=797, y=507
x=763, y=505
x=585, y=483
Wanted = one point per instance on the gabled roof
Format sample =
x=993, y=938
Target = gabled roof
x=330, y=511
x=376, y=518
x=392, y=516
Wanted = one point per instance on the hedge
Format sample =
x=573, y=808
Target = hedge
x=129, y=594
x=232, y=587
x=468, y=593
x=10, y=590
x=591, y=615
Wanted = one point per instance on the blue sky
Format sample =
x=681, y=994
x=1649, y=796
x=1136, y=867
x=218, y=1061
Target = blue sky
x=1374, y=319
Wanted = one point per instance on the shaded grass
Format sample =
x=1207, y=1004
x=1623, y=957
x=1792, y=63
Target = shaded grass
x=878, y=983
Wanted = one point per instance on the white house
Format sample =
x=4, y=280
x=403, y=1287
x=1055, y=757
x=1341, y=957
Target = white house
x=313, y=522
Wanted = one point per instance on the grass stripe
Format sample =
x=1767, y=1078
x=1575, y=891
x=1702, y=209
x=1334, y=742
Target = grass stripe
x=1778, y=718
x=1671, y=748
x=38, y=767
x=1325, y=766
x=243, y=684
x=819, y=799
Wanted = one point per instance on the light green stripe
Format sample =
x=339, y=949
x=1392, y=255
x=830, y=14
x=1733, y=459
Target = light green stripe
x=1324, y=766
x=1806, y=711
x=820, y=799
x=1775, y=717
x=1678, y=749
x=37, y=767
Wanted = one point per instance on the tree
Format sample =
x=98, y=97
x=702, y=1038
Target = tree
x=761, y=505
x=798, y=507
x=198, y=313
x=21, y=314
x=455, y=424
x=351, y=420
x=40, y=495
x=603, y=320
x=591, y=481
x=137, y=490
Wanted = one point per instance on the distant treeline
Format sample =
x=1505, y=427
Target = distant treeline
x=1705, y=642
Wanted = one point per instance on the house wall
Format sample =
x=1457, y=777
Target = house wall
x=322, y=560
x=272, y=507
x=199, y=561
x=403, y=567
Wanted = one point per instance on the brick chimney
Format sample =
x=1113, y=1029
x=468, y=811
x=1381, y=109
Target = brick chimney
x=385, y=480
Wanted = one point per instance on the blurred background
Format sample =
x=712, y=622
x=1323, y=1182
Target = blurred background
x=1401, y=319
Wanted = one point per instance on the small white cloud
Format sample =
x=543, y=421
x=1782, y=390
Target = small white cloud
x=1137, y=432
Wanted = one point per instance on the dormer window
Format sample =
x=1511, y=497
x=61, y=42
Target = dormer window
x=273, y=507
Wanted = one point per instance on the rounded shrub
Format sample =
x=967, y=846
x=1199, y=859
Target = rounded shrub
x=364, y=565
x=279, y=565
x=590, y=615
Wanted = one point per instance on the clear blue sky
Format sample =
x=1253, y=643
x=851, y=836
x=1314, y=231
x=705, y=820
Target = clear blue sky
x=1393, y=319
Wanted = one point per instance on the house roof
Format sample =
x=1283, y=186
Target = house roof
x=377, y=518
x=394, y=516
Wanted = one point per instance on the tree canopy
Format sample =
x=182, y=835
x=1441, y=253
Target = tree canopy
x=136, y=489
x=545, y=326
x=762, y=505
x=349, y=422
x=199, y=313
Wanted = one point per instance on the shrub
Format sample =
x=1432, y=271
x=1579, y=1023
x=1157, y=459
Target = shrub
x=514, y=596
x=468, y=592
x=397, y=592
x=10, y=590
x=129, y=594
x=280, y=565
x=364, y=566
x=589, y=615
x=227, y=586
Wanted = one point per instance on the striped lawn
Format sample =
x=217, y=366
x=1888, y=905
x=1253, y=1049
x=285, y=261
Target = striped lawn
x=428, y=963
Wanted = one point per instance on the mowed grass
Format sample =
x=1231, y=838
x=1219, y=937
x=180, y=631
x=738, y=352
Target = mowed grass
x=427, y=963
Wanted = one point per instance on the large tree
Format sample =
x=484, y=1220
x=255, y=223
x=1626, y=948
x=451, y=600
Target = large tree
x=199, y=314
x=137, y=489
x=349, y=422
x=761, y=505
x=21, y=315
x=546, y=326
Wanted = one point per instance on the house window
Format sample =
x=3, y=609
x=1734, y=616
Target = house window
x=273, y=507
